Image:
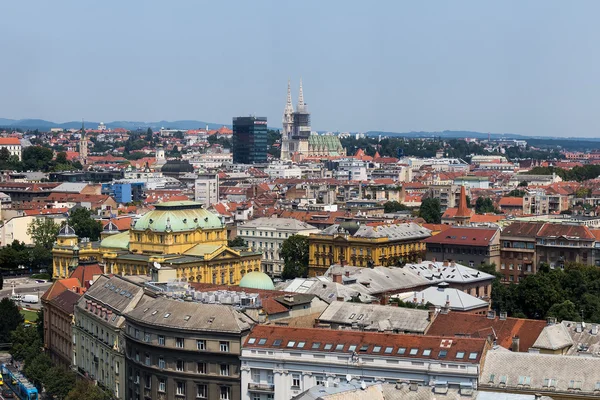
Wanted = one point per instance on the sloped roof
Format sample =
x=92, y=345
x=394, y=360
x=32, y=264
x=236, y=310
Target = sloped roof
x=464, y=236
x=457, y=299
x=60, y=286
x=66, y=301
x=84, y=273
x=567, y=231
x=522, y=229
x=474, y=325
x=554, y=337
x=511, y=202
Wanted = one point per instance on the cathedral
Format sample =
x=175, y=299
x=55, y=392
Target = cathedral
x=297, y=140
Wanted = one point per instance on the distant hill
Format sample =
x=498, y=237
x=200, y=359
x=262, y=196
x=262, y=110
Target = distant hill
x=130, y=125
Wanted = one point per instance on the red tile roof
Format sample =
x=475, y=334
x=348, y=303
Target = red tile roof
x=10, y=141
x=522, y=229
x=464, y=236
x=60, y=286
x=511, y=202
x=373, y=343
x=85, y=274
x=567, y=231
x=480, y=326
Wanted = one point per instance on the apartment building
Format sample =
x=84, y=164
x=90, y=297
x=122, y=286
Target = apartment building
x=266, y=235
x=98, y=331
x=281, y=362
x=518, y=251
x=184, y=350
x=558, y=244
x=465, y=245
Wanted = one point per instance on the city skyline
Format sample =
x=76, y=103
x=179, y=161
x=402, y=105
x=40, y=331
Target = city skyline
x=517, y=68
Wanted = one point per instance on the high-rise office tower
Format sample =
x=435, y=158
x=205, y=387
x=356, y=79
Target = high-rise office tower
x=249, y=140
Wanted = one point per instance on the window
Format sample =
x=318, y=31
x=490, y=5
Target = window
x=460, y=354
x=291, y=343
x=251, y=340
x=550, y=382
x=137, y=356
x=201, y=344
x=180, y=364
x=296, y=381
x=364, y=347
x=147, y=359
x=201, y=367
x=181, y=388
x=573, y=384
x=301, y=345
x=503, y=379
x=320, y=380
x=201, y=391
x=473, y=356
x=225, y=393
x=146, y=337
x=161, y=362
x=376, y=349
x=339, y=347
x=427, y=352
x=277, y=342
x=352, y=347
x=162, y=385
x=224, y=346
x=137, y=333
x=402, y=350
x=255, y=375
x=524, y=380
x=148, y=381
x=316, y=345
x=328, y=346
x=443, y=353
x=179, y=343
x=388, y=350
x=414, y=351
x=262, y=341
x=117, y=368
x=161, y=340
x=224, y=369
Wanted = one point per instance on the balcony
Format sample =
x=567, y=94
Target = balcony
x=261, y=387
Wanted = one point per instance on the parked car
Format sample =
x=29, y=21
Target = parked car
x=8, y=394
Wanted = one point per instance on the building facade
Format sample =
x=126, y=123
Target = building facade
x=206, y=189
x=364, y=245
x=99, y=329
x=559, y=244
x=266, y=236
x=13, y=145
x=58, y=333
x=184, y=350
x=518, y=256
x=468, y=246
x=281, y=362
x=249, y=140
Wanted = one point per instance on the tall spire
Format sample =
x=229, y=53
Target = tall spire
x=289, y=108
x=463, y=214
x=301, y=105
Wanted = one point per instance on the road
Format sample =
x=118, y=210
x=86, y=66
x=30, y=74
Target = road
x=24, y=286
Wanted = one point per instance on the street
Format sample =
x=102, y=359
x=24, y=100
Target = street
x=24, y=286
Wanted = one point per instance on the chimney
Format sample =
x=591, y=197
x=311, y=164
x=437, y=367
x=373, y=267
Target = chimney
x=445, y=263
x=515, y=344
x=433, y=259
x=551, y=320
x=453, y=264
x=337, y=277
x=419, y=260
x=347, y=272
x=447, y=305
x=415, y=298
x=430, y=313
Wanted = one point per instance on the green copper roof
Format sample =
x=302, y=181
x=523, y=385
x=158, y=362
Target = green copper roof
x=330, y=142
x=257, y=280
x=178, y=216
x=116, y=241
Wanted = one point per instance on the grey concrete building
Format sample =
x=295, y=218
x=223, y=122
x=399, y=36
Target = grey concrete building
x=180, y=350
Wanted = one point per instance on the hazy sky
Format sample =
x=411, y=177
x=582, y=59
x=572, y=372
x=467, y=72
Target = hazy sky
x=530, y=67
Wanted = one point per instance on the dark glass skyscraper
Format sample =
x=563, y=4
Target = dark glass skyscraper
x=249, y=140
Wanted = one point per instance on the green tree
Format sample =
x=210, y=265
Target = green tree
x=37, y=158
x=4, y=155
x=26, y=342
x=61, y=158
x=523, y=184
x=394, y=206
x=431, y=210
x=516, y=193
x=564, y=311
x=1, y=280
x=484, y=205
x=84, y=389
x=84, y=225
x=237, y=242
x=43, y=232
x=11, y=318
x=294, y=251
x=59, y=382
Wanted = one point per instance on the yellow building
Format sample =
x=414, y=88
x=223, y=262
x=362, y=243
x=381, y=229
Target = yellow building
x=68, y=250
x=181, y=235
x=352, y=244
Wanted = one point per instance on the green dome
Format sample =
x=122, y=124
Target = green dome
x=178, y=216
x=257, y=280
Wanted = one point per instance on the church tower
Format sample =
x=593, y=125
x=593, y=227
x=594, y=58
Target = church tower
x=83, y=146
x=288, y=122
x=301, y=129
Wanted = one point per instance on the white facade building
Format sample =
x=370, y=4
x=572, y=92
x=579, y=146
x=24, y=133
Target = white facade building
x=280, y=362
x=268, y=234
x=206, y=189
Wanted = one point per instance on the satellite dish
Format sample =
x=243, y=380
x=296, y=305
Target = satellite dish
x=348, y=378
x=157, y=265
x=363, y=385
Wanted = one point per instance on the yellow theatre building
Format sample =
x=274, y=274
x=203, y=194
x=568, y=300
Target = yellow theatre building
x=350, y=243
x=179, y=235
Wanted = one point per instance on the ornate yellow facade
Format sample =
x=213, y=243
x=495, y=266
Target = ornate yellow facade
x=180, y=235
x=351, y=244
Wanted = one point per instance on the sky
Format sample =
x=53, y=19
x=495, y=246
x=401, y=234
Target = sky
x=528, y=67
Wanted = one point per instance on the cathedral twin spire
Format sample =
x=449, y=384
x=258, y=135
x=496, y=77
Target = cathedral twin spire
x=289, y=107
